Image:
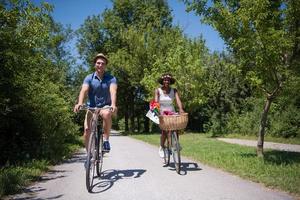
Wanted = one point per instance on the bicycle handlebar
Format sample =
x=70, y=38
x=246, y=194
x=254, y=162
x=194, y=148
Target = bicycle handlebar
x=84, y=107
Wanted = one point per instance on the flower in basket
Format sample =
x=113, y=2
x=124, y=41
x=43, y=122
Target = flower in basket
x=167, y=112
x=154, y=107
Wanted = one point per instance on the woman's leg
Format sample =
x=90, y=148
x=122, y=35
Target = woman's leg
x=163, y=138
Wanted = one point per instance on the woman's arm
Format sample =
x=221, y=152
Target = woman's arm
x=156, y=95
x=178, y=101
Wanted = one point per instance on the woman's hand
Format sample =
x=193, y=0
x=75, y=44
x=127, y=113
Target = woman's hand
x=181, y=111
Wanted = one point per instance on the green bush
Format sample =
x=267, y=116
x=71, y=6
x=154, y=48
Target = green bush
x=285, y=122
x=283, y=119
x=246, y=121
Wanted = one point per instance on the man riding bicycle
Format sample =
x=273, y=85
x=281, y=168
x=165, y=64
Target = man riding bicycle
x=101, y=89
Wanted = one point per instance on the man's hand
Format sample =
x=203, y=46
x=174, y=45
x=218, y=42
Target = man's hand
x=114, y=109
x=77, y=107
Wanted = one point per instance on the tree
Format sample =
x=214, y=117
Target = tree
x=35, y=119
x=264, y=36
x=129, y=34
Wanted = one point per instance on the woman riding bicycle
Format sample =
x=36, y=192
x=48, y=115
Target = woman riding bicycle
x=165, y=95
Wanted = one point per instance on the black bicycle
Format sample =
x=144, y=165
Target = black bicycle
x=95, y=151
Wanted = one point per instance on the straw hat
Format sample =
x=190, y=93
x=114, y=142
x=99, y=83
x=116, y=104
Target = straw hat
x=164, y=76
x=100, y=55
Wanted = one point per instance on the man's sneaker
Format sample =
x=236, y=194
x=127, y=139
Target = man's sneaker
x=161, y=152
x=106, y=146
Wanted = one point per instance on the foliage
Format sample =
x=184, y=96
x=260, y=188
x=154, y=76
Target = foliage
x=128, y=33
x=225, y=91
x=142, y=44
x=185, y=60
x=264, y=37
x=34, y=97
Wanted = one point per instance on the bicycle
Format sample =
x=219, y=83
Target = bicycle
x=95, y=151
x=172, y=124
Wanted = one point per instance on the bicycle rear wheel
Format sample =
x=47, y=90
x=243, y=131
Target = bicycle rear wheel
x=91, y=157
x=99, y=153
x=175, y=151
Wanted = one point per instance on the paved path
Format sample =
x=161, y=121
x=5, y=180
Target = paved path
x=267, y=145
x=133, y=171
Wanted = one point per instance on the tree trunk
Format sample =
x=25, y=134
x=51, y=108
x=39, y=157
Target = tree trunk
x=131, y=110
x=262, y=127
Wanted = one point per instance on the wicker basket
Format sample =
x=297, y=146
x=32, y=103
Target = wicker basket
x=173, y=122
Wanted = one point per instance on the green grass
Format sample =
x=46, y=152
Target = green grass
x=277, y=170
x=268, y=138
x=13, y=178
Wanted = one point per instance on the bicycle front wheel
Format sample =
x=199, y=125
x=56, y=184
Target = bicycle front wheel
x=90, y=165
x=99, y=153
x=175, y=151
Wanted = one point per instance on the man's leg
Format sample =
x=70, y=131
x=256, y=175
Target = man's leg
x=107, y=123
x=87, y=128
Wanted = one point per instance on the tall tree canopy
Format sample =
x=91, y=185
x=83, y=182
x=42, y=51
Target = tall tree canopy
x=264, y=36
x=35, y=119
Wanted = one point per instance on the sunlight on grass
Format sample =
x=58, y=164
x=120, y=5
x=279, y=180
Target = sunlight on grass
x=278, y=169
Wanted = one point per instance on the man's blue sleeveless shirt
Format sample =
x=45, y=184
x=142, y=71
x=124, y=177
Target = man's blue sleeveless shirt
x=99, y=94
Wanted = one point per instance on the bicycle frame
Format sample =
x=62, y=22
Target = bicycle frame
x=174, y=149
x=95, y=147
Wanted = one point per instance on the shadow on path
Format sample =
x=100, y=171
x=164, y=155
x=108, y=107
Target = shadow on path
x=109, y=177
x=185, y=167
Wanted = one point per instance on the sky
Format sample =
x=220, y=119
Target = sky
x=74, y=12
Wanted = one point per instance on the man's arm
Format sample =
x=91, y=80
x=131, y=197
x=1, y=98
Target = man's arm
x=113, y=95
x=83, y=92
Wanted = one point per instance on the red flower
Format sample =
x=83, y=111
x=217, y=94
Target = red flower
x=154, y=107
